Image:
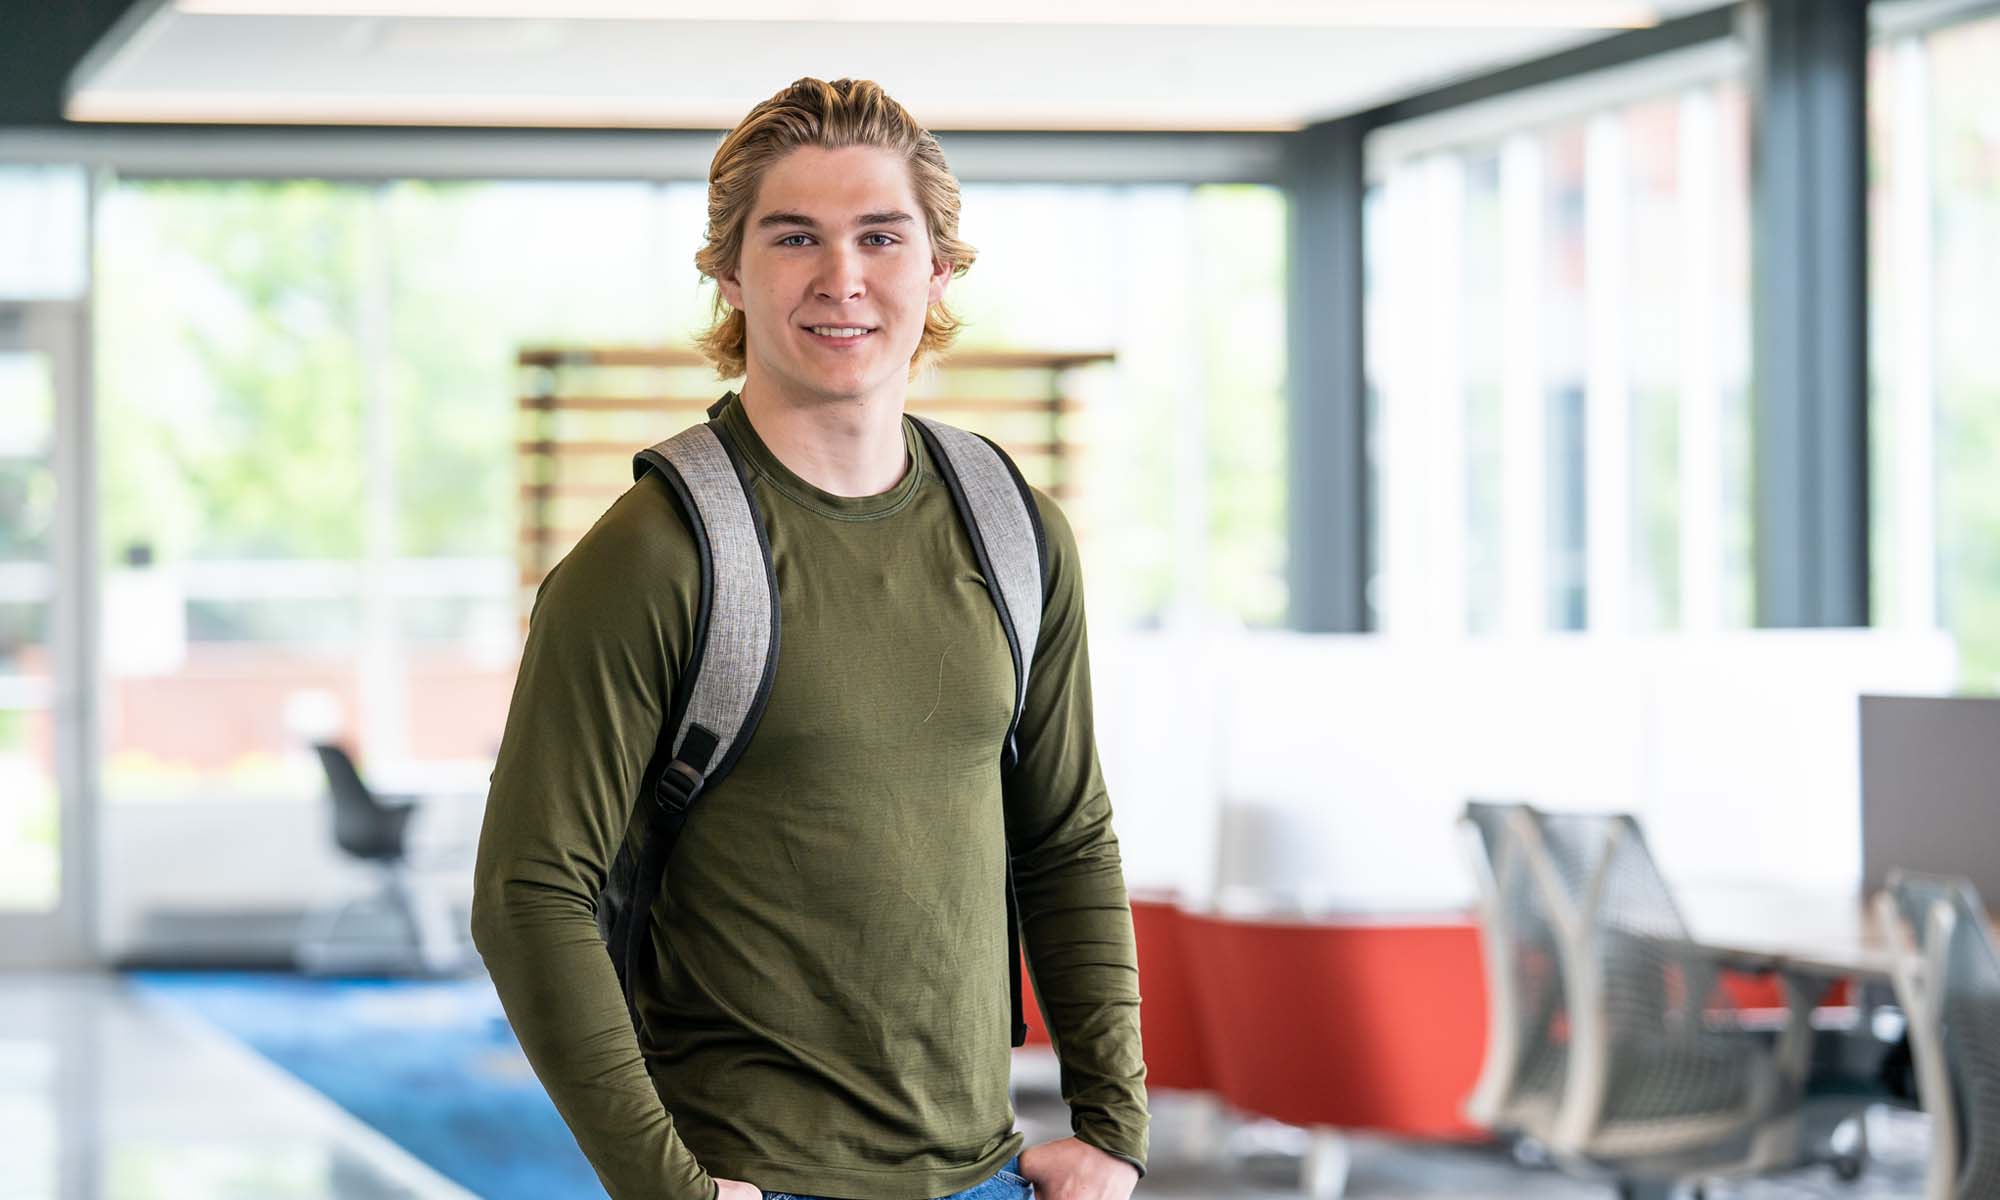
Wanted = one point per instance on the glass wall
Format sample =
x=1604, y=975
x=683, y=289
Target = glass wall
x=44, y=210
x=30, y=826
x=1560, y=355
x=43, y=269
x=1182, y=509
x=1559, y=343
x=308, y=421
x=1935, y=407
x=308, y=418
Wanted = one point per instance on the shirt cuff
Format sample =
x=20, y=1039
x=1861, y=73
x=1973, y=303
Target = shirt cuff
x=1087, y=1139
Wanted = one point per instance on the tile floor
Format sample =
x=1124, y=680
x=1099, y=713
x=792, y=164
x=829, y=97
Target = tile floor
x=106, y=1096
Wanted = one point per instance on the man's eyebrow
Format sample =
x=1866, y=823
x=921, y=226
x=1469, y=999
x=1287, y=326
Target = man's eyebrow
x=773, y=220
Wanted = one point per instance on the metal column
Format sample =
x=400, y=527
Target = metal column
x=1810, y=336
x=1328, y=495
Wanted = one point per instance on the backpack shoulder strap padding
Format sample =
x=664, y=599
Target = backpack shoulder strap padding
x=735, y=651
x=999, y=516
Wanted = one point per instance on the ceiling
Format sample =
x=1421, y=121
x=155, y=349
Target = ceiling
x=1026, y=65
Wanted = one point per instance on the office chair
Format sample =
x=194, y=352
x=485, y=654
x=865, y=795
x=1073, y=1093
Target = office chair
x=373, y=829
x=1947, y=979
x=1520, y=1082
x=1662, y=1080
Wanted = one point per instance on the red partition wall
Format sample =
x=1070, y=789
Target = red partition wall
x=1362, y=1025
x=1176, y=1052
x=1767, y=992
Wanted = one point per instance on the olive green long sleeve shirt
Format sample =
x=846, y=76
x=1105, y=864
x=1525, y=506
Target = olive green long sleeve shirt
x=826, y=1009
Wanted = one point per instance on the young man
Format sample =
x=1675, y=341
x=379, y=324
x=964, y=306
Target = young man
x=826, y=1011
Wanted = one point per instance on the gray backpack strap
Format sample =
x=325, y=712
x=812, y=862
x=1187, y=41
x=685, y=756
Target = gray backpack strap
x=1005, y=528
x=999, y=515
x=722, y=689
x=728, y=676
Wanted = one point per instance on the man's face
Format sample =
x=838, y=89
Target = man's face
x=835, y=241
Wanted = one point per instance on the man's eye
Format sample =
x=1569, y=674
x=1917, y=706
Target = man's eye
x=886, y=239
x=788, y=237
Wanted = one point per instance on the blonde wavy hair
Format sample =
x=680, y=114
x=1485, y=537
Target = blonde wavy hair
x=813, y=112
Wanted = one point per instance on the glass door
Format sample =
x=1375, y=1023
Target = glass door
x=44, y=864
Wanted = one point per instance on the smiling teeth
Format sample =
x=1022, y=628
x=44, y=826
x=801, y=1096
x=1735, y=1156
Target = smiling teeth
x=837, y=330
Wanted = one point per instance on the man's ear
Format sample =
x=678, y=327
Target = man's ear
x=940, y=275
x=732, y=290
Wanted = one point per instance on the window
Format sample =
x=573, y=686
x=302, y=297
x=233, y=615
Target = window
x=1559, y=343
x=1184, y=437
x=1935, y=404
x=308, y=411
x=42, y=283
x=30, y=848
x=42, y=210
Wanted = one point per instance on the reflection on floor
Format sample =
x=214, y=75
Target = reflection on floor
x=104, y=1095
x=113, y=1090
x=431, y=1065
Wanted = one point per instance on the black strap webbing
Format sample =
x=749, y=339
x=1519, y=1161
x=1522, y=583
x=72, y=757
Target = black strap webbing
x=679, y=783
x=646, y=885
x=1020, y=1032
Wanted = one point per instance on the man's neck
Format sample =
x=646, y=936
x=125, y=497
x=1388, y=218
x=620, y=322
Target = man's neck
x=845, y=447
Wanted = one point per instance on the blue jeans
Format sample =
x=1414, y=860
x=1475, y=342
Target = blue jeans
x=1007, y=1185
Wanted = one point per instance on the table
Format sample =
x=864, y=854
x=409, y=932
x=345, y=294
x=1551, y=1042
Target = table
x=1822, y=933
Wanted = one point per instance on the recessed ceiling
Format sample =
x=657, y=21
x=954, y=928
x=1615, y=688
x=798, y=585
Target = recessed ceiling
x=1031, y=64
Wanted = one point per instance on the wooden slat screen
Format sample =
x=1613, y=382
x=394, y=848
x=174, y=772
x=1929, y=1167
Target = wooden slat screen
x=584, y=411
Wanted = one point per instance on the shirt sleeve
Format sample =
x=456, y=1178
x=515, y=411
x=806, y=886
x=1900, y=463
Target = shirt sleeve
x=1076, y=920
x=598, y=665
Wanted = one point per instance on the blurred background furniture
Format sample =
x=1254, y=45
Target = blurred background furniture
x=1664, y=1079
x=1927, y=770
x=423, y=935
x=1326, y=1022
x=1948, y=982
x=1520, y=1082
x=1335, y=1022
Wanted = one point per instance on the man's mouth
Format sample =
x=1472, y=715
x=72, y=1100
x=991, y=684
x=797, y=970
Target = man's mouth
x=839, y=333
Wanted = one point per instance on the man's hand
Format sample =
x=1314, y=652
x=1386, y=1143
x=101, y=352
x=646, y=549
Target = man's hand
x=1070, y=1169
x=736, y=1189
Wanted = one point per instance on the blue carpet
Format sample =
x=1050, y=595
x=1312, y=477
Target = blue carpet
x=433, y=1065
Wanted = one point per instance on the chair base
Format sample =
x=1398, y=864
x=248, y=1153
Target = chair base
x=1323, y=1170
x=423, y=937
x=1830, y=1132
x=1656, y=1190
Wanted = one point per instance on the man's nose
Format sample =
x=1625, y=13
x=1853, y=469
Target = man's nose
x=839, y=275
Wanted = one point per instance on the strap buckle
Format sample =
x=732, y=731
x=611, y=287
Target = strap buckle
x=679, y=784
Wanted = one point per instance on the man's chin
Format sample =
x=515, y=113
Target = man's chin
x=852, y=387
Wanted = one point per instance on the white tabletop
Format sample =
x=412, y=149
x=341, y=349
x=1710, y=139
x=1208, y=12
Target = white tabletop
x=1820, y=932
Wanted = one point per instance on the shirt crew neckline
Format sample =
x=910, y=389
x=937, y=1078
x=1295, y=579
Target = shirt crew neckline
x=788, y=482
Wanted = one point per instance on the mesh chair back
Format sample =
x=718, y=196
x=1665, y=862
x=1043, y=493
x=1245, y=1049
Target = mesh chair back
x=1640, y=936
x=1531, y=968
x=1656, y=1063
x=1918, y=896
x=1488, y=821
x=1520, y=1081
x=1962, y=982
x=362, y=825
